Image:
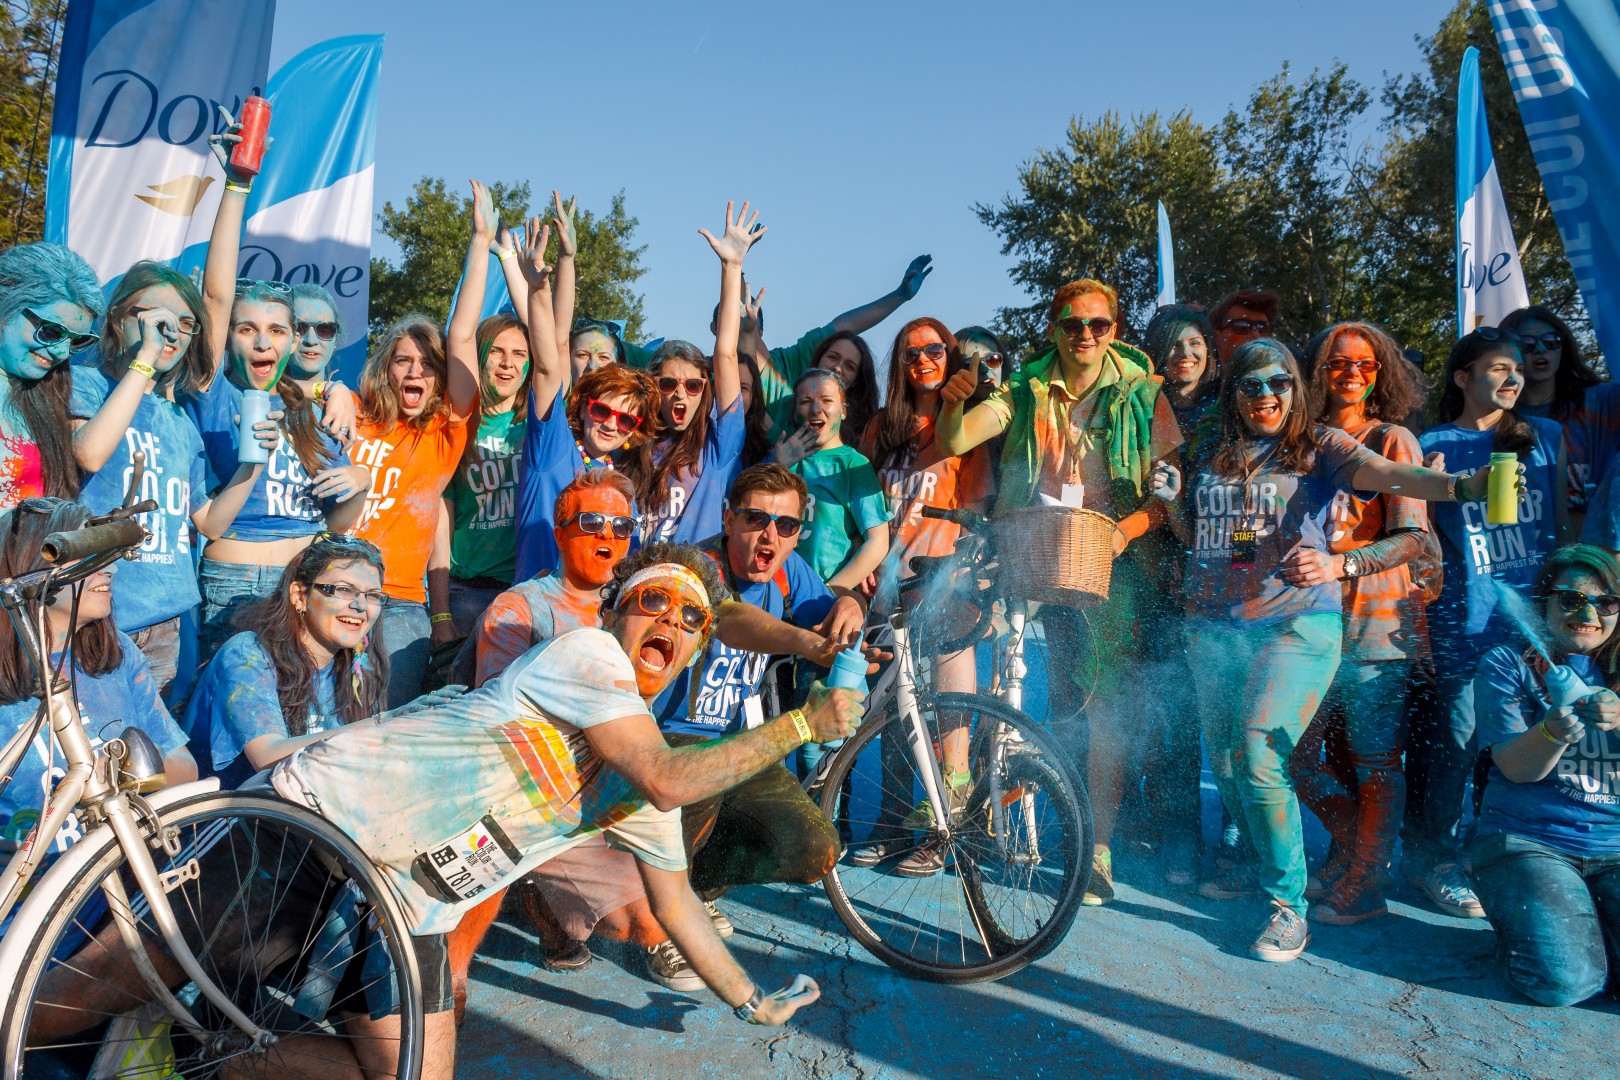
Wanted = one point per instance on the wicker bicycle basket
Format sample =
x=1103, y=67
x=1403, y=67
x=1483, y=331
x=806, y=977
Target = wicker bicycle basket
x=1055, y=554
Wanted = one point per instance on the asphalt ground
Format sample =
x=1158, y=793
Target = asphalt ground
x=1156, y=984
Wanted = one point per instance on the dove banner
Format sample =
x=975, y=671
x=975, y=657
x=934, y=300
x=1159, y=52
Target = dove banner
x=309, y=217
x=1490, y=279
x=1563, y=60
x=137, y=96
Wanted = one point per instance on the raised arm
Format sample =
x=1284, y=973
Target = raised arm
x=741, y=233
x=548, y=368
x=562, y=300
x=224, y=243
x=868, y=315
x=95, y=438
x=461, y=348
x=507, y=247
x=960, y=432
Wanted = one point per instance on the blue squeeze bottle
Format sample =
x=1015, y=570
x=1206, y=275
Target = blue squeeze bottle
x=848, y=671
x=255, y=407
x=1564, y=687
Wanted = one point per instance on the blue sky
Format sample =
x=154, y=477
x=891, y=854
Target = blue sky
x=863, y=132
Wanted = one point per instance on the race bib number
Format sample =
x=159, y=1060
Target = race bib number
x=471, y=864
x=753, y=711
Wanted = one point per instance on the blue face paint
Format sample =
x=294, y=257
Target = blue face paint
x=22, y=356
x=311, y=353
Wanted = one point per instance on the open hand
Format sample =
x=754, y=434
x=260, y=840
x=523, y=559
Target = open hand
x=750, y=319
x=341, y=482
x=504, y=243
x=795, y=447
x=567, y=234
x=912, y=281
x=742, y=233
x=844, y=622
x=338, y=413
x=533, y=261
x=484, y=221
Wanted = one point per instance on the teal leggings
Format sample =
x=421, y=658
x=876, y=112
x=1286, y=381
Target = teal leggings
x=1258, y=688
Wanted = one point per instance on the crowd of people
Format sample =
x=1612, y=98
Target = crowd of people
x=608, y=542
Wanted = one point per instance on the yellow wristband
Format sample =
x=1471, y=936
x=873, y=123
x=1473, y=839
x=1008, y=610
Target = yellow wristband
x=443, y=616
x=1549, y=736
x=143, y=369
x=240, y=189
x=801, y=725
x=505, y=255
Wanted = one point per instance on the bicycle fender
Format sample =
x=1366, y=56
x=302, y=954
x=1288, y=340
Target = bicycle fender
x=37, y=906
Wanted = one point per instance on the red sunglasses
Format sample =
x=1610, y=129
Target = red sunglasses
x=600, y=413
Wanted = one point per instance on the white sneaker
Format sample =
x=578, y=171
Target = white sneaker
x=137, y=1047
x=666, y=965
x=1452, y=892
x=722, y=925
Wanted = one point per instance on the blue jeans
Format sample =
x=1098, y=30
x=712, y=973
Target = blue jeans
x=1440, y=758
x=468, y=603
x=1258, y=688
x=170, y=648
x=1557, y=916
x=404, y=634
x=226, y=589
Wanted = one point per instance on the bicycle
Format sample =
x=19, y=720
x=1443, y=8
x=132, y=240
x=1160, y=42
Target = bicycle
x=236, y=918
x=1016, y=851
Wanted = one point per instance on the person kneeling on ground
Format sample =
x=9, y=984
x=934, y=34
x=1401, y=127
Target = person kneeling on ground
x=558, y=749
x=1547, y=856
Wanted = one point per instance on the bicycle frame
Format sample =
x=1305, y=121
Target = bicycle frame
x=91, y=785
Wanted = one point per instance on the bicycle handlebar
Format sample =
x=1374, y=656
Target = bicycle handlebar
x=75, y=544
x=968, y=519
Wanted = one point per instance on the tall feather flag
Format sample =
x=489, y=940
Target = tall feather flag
x=1167, y=260
x=1490, y=280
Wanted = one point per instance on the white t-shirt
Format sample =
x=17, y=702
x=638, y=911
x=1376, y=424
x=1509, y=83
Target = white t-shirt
x=490, y=785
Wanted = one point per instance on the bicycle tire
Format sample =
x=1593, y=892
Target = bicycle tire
x=229, y=834
x=975, y=939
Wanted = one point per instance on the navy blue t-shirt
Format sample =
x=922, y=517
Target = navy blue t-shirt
x=727, y=677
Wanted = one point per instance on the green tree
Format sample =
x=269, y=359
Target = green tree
x=431, y=231
x=30, y=43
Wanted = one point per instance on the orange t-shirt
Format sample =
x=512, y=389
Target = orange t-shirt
x=410, y=469
x=920, y=474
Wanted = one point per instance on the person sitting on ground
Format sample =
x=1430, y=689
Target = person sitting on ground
x=765, y=829
x=1547, y=855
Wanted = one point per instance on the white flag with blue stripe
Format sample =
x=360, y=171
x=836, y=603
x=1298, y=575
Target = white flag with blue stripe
x=1490, y=279
x=137, y=96
x=1167, y=260
x=309, y=217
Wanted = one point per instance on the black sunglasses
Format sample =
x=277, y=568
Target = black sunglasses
x=1573, y=600
x=1252, y=387
x=1244, y=326
x=1543, y=342
x=758, y=521
x=934, y=350
x=595, y=523
x=326, y=331
x=48, y=333
x=1076, y=327
x=1495, y=334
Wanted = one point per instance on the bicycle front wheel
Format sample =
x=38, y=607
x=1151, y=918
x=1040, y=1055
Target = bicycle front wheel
x=285, y=915
x=985, y=894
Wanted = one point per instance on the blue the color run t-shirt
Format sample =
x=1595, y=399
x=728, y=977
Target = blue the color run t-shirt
x=236, y=701
x=1464, y=622
x=693, y=508
x=728, y=677
x=551, y=460
x=108, y=703
x=1575, y=807
x=280, y=505
x=161, y=582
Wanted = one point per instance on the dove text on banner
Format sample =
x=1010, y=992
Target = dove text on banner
x=1490, y=279
x=138, y=94
x=1563, y=60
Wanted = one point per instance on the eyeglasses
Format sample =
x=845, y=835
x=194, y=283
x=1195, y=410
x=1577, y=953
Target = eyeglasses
x=934, y=350
x=326, y=331
x=1246, y=326
x=1076, y=328
x=244, y=285
x=185, y=323
x=346, y=595
x=600, y=413
x=667, y=384
x=1365, y=367
x=758, y=521
x=1277, y=384
x=596, y=524
x=48, y=333
x=655, y=600
x=1543, y=342
x=1573, y=600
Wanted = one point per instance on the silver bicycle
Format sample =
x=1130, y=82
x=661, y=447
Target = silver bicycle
x=1014, y=852
x=190, y=932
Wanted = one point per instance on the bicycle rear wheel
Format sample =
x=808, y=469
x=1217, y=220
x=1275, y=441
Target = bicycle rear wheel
x=279, y=900
x=1016, y=855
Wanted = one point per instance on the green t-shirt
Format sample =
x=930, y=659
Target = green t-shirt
x=845, y=501
x=483, y=493
x=776, y=381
